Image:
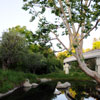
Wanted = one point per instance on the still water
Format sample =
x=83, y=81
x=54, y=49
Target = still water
x=79, y=90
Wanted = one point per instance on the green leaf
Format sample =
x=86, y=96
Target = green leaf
x=24, y=0
x=32, y=19
x=59, y=45
x=75, y=45
x=25, y=8
x=43, y=10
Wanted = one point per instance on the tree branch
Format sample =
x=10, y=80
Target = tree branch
x=86, y=2
x=70, y=15
x=89, y=3
x=77, y=30
x=60, y=41
x=81, y=22
x=65, y=18
x=90, y=30
x=59, y=50
x=53, y=39
x=83, y=26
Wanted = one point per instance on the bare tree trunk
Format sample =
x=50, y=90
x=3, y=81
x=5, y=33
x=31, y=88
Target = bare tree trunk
x=84, y=67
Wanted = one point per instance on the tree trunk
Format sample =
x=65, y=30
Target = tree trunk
x=34, y=70
x=84, y=67
x=4, y=66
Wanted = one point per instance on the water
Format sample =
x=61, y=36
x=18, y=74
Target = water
x=79, y=90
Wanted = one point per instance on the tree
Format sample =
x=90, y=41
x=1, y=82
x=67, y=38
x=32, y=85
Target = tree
x=69, y=13
x=62, y=55
x=96, y=44
x=54, y=64
x=35, y=61
x=12, y=49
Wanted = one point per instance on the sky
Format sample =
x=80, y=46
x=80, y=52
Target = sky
x=12, y=14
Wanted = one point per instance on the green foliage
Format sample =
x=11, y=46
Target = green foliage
x=10, y=79
x=23, y=50
x=77, y=10
x=22, y=31
x=53, y=63
x=35, y=61
x=73, y=75
x=12, y=48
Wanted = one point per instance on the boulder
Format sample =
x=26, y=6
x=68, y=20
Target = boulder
x=63, y=85
x=27, y=83
x=57, y=92
x=9, y=92
x=43, y=80
x=34, y=85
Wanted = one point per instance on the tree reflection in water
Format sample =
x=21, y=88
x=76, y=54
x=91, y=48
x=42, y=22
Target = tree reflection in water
x=82, y=91
x=78, y=91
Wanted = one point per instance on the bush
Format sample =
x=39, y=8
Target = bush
x=10, y=79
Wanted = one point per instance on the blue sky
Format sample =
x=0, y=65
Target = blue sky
x=11, y=15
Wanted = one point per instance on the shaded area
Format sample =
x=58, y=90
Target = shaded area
x=77, y=91
x=42, y=92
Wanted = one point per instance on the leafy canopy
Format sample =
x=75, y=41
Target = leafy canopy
x=82, y=13
x=77, y=10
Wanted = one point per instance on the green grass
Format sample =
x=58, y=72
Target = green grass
x=73, y=75
x=10, y=79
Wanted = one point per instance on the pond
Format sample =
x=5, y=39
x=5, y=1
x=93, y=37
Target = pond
x=79, y=90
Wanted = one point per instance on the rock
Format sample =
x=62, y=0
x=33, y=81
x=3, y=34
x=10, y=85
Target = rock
x=43, y=80
x=63, y=85
x=27, y=84
x=57, y=92
x=7, y=93
x=34, y=85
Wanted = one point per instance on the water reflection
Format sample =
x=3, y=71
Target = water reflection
x=80, y=91
x=77, y=91
x=90, y=98
x=69, y=94
x=60, y=97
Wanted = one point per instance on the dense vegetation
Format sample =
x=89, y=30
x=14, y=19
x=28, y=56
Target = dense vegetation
x=10, y=79
x=22, y=51
x=23, y=56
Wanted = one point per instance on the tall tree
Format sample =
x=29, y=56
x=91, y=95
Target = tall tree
x=69, y=14
x=12, y=48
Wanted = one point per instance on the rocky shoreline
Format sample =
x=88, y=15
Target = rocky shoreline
x=9, y=92
x=42, y=80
